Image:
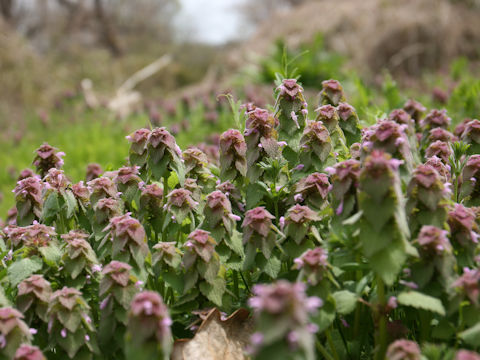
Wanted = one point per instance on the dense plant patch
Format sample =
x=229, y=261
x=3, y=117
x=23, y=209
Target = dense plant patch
x=344, y=242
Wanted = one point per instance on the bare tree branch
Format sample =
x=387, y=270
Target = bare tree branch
x=108, y=35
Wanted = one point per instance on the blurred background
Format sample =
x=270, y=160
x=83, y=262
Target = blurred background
x=83, y=74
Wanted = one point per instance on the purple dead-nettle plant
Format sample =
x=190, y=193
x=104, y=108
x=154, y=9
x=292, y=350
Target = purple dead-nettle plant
x=233, y=151
x=164, y=155
x=349, y=123
x=33, y=297
x=415, y=110
x=442, y=169
x=260, y=240
x=389, y=137
x=441, y=134
x=316, y=149
x=79, y=257
x=197, y=166
x=180, y=205
x=127, y=177
x=151, y=200
x=313, y=191
x=148, y=330
x=25, y=173
x=14, y=235
x=93, y=171
x=233, y=194
x=56, y=180
x=81, y=193
x=313, y=265
x=381, y=201
x=102, y=187
x=166, y=255
x=331, y=93
x=469, y=285
x=433, y=241
x=404, y=350
x=464, y=233
x=344, y=179
x=28, y=352
x=467, y=355
x=460, y=128
x=202, y=265
x=13, y=331
x=47, y=157
x=68, y=326
x=435, y=119
x=428, y=199
x=37, y=238
x=128, y=240
x=355, y=151
x=259, y=128
x=328, y=116
x=106, y=209
x=470, y=181
x=116, y=291
x=28, y=198
x=299, y=221
x=282, y=313
x=196, y=190
x=471, y=135
x=290, y=109
x=440, y=149
x=138, y=146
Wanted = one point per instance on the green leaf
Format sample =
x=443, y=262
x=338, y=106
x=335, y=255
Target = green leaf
x=51, y=206
x=22, y=269
x=418, y=300
x=345, y=301
x=270, y=266
x=51, y=254
x=71, y=202
x=213, y=291
x=471, y=336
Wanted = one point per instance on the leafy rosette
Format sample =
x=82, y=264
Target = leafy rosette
x=197, y=166
x=464, y=233
x=127, y=180
x=164, y=155
x=93, y=171
x=381, y=202
x=390, y=137
x=316, y=147
x=47, y=157
x=33, y=297
x=349, y=123
x=233, y=194
x=471, y=135
x=299, y=221
x=435, y=119
x=128, y=239
x=470, y=184
x=116, y=291
x=28, y=352
x=282, y=321
x=70, y=326
x=180, y=205
x=102, y=187
x=29, y=201
x=260, y=241
x=439, y=149
x=313, y=265
x=328, y=116
x=427, y=199
x=416, y=110
x=138, y=146
x=441, y=134
x=13, y=331
x=313, y=190
x=404, y=350
x=148, y=332
x=202, y=265
x=259, y=126
x=291, y=110
x=233, y=151
x=442, y=169
x=79, y=257
x=344, y=178
x=331, y=93
x=81, y=193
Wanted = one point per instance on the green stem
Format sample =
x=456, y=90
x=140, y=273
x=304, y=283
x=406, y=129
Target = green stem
x=381, y=340
x=236, y=290
x=323, y=351
x=331, y=345
x=424, y=326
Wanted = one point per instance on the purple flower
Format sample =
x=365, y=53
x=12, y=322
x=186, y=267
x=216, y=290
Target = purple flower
x=290, y=89
x=403, y=350
x=63, y=332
